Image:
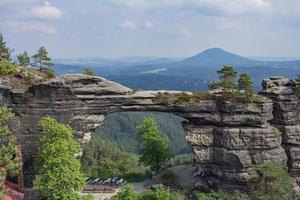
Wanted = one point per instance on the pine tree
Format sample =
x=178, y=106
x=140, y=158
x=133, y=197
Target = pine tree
x=4, y=50
x=23, y=59
x=9, y=163
x=245, y=84
x=41, y=59
x=227, y=76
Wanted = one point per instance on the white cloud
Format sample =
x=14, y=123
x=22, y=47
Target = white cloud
x=228, y=7
x=46, y=11
x=128, y=24
x=149, y=25
x=26, y=26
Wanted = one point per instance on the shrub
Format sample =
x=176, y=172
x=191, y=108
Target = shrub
x=88, y=71
x=127, y=193
x=274, y=183
x=7, y=68
x=50, y=74
x=183, y=97
x=221, y=195
x=162, y=97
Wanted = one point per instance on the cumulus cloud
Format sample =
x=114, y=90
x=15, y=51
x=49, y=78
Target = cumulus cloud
x=46, y=11
x=26, y=26
x=149, y=25
x=211, y=7
x=128, y=24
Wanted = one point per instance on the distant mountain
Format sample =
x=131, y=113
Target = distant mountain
x=193, y=73
x=215, y=57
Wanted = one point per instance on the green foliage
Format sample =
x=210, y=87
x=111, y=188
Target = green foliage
x=154, y=144
x=127, y=193
x=7, y=68
x=104, y=159
x=4, y=50
x=162, y=193
x=227, y=76
x=183, y=97
x=9, y=162
x=274, y=184
x=41, y=59
x=88, y=71
x=58, y=175
x=50, y=74
x=120, y=128
x=245, y=83
x=23, y=59
x=181, y=159
x=220, y=195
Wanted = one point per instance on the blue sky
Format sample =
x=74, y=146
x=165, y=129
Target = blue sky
x=172, y=28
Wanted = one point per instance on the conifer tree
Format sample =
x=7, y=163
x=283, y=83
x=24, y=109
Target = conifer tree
x=23, y=59
x=4, y=50
x=41, y=59
x=245, y=84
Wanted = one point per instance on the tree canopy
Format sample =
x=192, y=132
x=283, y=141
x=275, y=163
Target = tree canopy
x=9, y=162
x=154, y=144
x=23, y=59
x=246, y=85
x=41, y=59
x=58, y=175
x=4, y=50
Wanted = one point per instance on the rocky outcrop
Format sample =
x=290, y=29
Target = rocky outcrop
x=228, y=138
x=286, y=118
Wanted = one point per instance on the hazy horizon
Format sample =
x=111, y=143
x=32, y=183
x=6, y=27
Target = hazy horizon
x=159, y=28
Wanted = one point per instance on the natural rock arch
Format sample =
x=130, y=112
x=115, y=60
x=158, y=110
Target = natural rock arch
x=228, y=138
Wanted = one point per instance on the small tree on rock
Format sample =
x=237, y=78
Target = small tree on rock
x=41, y=59
x=155, y=151
x=58, y=174
x=23, y=59
x=88, y=71
x=245, y=84
x=4, y=50
x=9, y=163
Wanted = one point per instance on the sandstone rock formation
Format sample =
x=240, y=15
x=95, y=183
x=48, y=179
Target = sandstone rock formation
x=228, y=138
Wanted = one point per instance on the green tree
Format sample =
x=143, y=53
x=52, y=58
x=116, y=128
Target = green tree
x=58, y=175
x=127, y=193
x=227, y=76
x=41, y=59
x=154, y=151
x=274, y=183
x=9, y=162
x=88, y=71
x=23, y=59
x=245, y=83
x=4, y=50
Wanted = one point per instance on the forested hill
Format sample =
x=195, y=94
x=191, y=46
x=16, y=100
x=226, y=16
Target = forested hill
x=120, y=128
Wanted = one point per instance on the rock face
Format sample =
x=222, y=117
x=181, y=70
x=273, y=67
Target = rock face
x=228, y=138
x=286, y=112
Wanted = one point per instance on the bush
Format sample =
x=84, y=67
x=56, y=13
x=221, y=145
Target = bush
x=183, y=97
x=221, y=195
x=50, y=74
x=7, y=68
x=274, y=183
x=88, y=71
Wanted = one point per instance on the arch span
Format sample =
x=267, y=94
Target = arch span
x=227, y=137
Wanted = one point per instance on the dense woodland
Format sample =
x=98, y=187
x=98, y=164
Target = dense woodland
x=120, y=128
